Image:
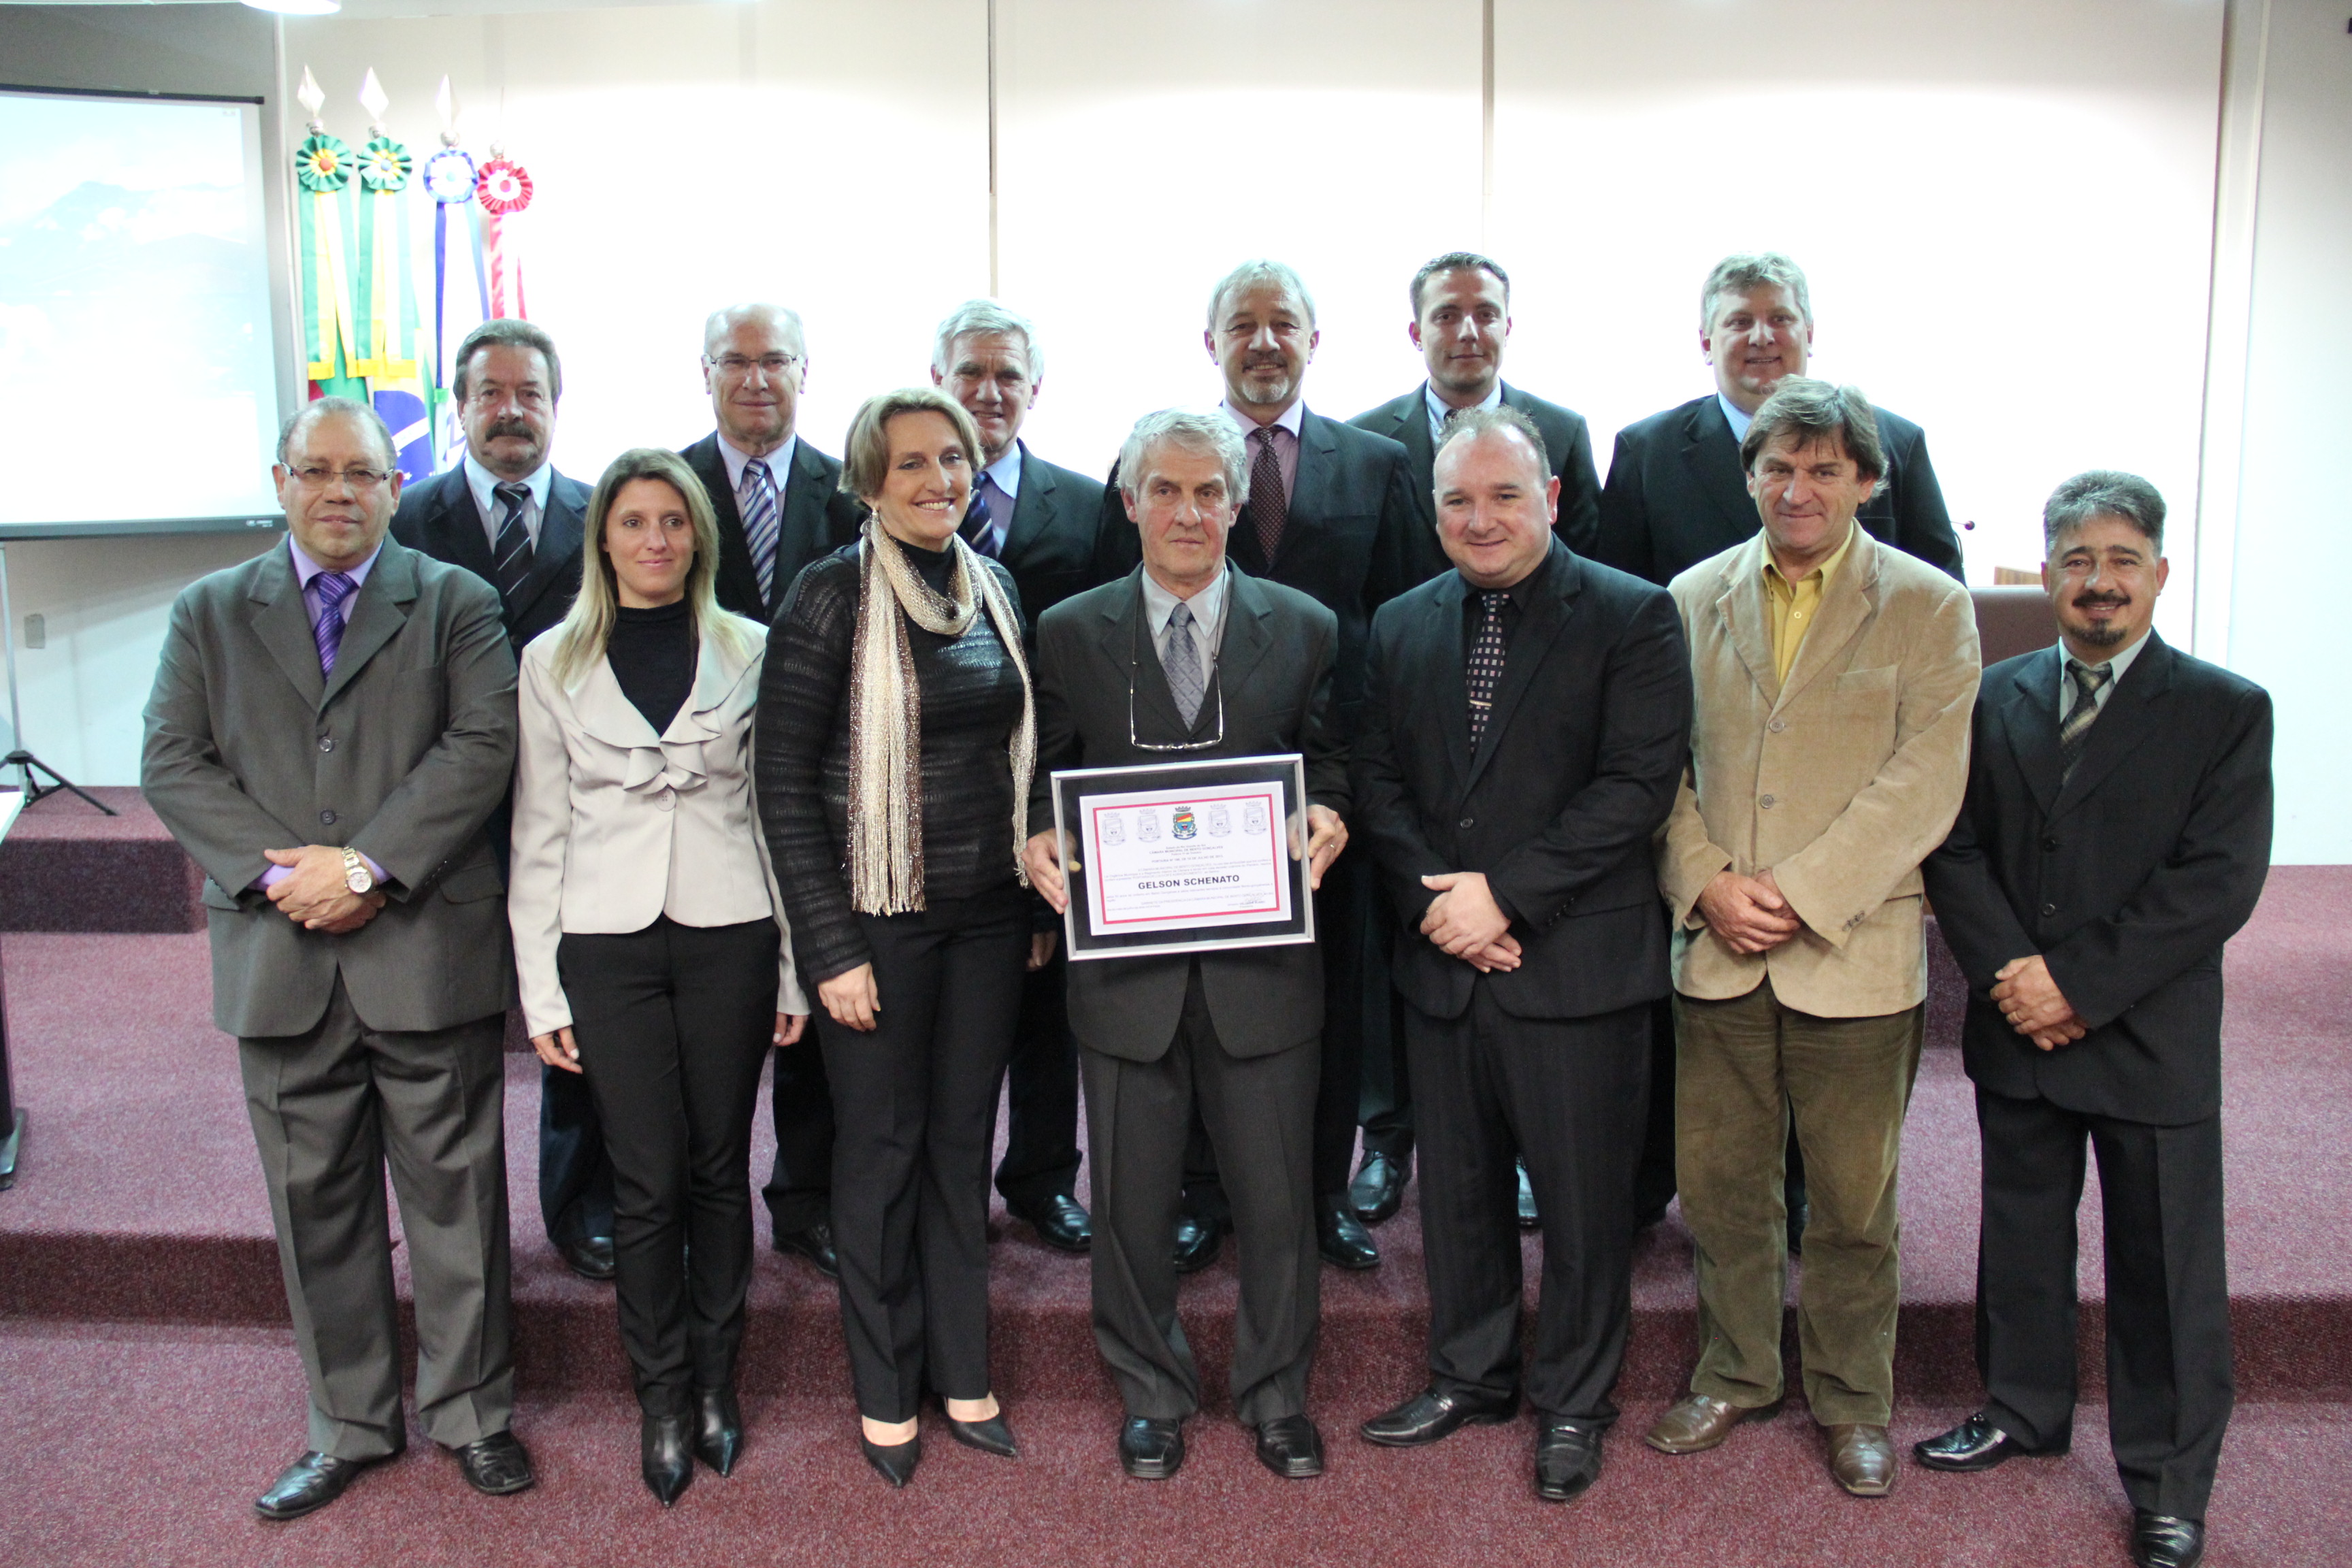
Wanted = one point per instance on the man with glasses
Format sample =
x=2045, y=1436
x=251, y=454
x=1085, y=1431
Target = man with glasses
x=1183, y=660
x=780, y=505
x=331, y=725
x=507, y=516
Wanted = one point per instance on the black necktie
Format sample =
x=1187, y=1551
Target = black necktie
x=1485, y=667
x=511, y=554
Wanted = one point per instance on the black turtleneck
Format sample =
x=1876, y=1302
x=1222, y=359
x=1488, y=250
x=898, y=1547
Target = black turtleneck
x=652, y=654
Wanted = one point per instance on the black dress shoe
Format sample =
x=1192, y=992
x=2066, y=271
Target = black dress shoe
x=666, y=1454
x=591, y=1256
x=990, y=1436
x=1431, y=1414
x=1976, y=1444
x=1568, y=1458
x=310, y=1483
x=1060, y=1222
x=1529, y=1220
x=1150, y=1449
x=1379, y=1188
x=1196, y=1242
x=816, y=1244
x=1341, y=1237
x=718, y=1429
x=895, y=1462
x=497, y=1464
x=1291, y=1448
x=2160, y=1540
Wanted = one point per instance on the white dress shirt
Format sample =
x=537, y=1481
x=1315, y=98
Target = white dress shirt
x=484, y=484
x=2116, y=667
x=779, y=466
x=1440, y=411
x=1208, y=628
x=1738, y=419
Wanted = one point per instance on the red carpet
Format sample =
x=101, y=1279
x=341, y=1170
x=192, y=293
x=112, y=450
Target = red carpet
x=140, y=1341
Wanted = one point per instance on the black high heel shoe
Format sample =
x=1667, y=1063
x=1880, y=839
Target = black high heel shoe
x=895, y=1462
x=719, y=1429
x=990, y=1435
x=667, y=1457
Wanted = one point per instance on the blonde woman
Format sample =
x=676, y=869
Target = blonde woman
x=895, y=740
x=648, y=934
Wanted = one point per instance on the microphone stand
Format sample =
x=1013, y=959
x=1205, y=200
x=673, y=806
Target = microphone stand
x=17, y=757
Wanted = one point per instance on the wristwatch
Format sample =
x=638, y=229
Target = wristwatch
x=356, y=874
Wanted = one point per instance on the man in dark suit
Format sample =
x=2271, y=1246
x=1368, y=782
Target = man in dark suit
x=1528, y=723
x=1040, y=522
x=1238, y=667
x=344, y=687
x=1677, y=494
x=1461, y=323
x=2116, y=833
x=507, y=516
x=778, y=505
x=1331, y=513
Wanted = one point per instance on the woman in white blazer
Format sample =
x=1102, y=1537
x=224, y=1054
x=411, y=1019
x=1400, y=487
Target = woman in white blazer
x=649, y=935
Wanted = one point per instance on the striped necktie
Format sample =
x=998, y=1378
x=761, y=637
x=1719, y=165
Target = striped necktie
x=763, y=523
x=511, y=554
x=1267, y=506
x=333, y=588
x=2074, y=730
x=979, y=520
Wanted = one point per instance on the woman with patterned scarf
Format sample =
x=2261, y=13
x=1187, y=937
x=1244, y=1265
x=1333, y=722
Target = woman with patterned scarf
x=896, y=739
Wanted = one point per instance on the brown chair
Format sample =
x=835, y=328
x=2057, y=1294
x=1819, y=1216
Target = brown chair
x=2011, y=620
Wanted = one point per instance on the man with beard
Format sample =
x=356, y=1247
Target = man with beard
x=2116, y=833
x=1331, y=513
x=507, y=516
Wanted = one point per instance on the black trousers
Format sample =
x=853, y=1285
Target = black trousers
x=2169, y=1391
x=914, y=1105
x=1342, y=908
x=1385, y=1108
x=673, y=1024
x=798, y=1191
x=1258, y=1113
x=1041, y=1140
x=1568, y=1095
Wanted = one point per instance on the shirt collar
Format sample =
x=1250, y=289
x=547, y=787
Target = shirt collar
x=779, y=462
x=1293, y=418
x=483, y=482
x=1827, y=569
x=1737, y=417
x=1208, y=606
x=2117, y=663
x=1440, y=411
x=1006, y=471
x=305, y=569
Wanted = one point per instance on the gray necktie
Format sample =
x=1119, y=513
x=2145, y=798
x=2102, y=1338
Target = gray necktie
x=1182, y=663
x=2075, y=731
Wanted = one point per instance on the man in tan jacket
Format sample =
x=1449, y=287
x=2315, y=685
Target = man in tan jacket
x=1834, y=679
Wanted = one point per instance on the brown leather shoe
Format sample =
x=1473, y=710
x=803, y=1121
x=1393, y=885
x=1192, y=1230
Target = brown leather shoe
x=1701, y=1422
x=1862, y=1458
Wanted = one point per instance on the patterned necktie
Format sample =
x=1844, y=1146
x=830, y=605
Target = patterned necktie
x=1269, y=507
x=1485, y=669
x=2074, y=730
x=763, y=523
x=333, y=587
x=1182, y=663
x=511, y=554
x=978, y=520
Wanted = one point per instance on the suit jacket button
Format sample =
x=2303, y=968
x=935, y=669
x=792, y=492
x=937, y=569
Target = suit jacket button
x=2049, y=844
x=326, y=743
x=327, y=818
x=1467, y=822
x=2048, y=910
x=1777, y=725
x=1766, y=803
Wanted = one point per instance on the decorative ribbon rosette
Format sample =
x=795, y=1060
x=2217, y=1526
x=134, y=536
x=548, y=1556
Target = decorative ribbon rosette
x=323, y=165
x=504, y=190
x=384, y=164
x=449, y=177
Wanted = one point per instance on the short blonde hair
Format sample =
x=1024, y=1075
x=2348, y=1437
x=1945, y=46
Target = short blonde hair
x=582, y=637
x=866, y=455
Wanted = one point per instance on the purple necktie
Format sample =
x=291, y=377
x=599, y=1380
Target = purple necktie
x=333, y=587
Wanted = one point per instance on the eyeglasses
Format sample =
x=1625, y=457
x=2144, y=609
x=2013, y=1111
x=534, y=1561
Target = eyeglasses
x=736, y=366
x=1134, y=663
x=317, y=478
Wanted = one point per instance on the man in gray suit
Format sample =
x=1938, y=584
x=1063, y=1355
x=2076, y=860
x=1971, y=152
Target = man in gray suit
x=331, y=724
x=1240, y=667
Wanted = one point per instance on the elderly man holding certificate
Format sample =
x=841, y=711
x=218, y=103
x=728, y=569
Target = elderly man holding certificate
x=1193, y=974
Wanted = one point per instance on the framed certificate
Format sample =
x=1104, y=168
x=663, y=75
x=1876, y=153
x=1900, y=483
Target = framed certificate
x=1184, y=857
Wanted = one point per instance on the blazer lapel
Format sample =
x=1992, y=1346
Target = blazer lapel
x=1848, y=600
x=1413, y=431
x=1448, y=686
x=2133, y=712
x=455, y=523
x=1245, y=643
x=800, y=535
x=1713, y=457
x=2030, y=709
x=562, y=527
x=1127, y=645
x=1033, y=508
x=1747, y=619
x=282, y=622
x=378, y=611
x=738, y=579
x=1544, y=619
x=718, y=671
x=1317, y=452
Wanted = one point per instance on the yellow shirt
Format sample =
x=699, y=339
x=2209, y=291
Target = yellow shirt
x=1796, y=606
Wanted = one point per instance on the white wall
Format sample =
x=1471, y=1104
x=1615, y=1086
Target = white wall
x=2291, y=497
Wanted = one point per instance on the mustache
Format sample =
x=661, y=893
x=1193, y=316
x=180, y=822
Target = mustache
x=512, y=428
x=2101, y=601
